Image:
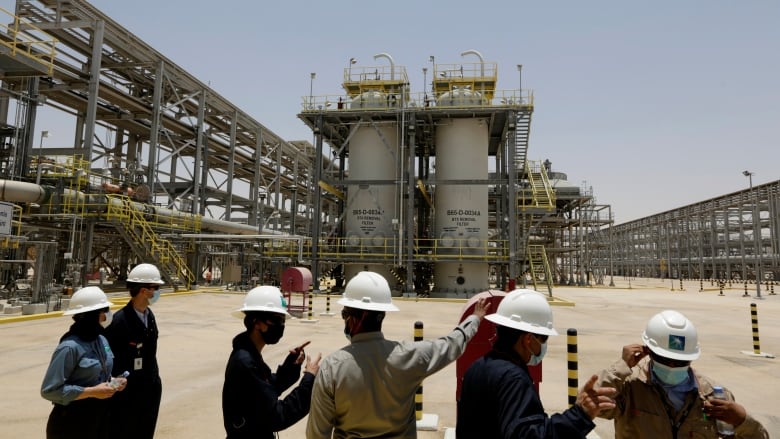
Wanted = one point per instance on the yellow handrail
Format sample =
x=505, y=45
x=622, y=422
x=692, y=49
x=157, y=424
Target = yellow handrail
x=42, y=50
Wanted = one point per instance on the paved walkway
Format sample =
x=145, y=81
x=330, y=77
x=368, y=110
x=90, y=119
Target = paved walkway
x=196, y=330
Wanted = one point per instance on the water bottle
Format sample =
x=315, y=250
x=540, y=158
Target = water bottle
x=114, y=383
x=724, y=428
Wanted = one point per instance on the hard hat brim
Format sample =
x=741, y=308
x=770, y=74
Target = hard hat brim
x=240, y=313
x=368, y=306
x=84, y=309
x=522, y=326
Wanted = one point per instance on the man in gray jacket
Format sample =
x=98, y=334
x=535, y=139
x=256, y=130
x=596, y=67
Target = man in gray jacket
x=366, y=389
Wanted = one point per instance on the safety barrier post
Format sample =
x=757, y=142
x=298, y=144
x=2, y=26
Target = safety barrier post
x=572, y=361
x=327, y=306
x=771, y=288
x=418, y=397
x=701, y=285
x=756, y=343
x=681, y=286
x=425, y=421
x=746, y=293
x=721, y=283
x=309, y=318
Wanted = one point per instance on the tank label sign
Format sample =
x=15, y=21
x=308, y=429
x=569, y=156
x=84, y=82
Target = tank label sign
x=369, y=219
x=6, y=215
x=464, y=218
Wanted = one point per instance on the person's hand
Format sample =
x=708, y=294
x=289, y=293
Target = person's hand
x=297, y=354
x=595, y=400
x=313, y=364
x=481, y=308
x=101, y=391
x=633, y=353
x=727, y=411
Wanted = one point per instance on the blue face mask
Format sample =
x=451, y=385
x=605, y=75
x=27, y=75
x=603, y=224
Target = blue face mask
x=536, y=359
x=671, y=376
x=155, y=296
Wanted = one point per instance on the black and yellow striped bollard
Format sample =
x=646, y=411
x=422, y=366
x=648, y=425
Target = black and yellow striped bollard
x=309, y=318
x=756, y=352
x=572, y=365
x=418, y=397
x=327, y=306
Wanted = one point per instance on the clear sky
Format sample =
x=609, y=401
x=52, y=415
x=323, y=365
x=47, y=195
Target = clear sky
x=655, y=105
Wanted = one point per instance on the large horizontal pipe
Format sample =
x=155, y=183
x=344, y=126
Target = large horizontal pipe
x=21, y=192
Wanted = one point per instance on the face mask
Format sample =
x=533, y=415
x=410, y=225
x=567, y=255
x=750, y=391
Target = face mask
x=536, y=359
x=273, y=334
x=107, y=321
x=155, y=296
x=670, y=375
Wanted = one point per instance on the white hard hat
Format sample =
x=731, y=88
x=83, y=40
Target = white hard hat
x=525, y=310
x=369, y=291
x=145, y=274
x=87, y=299
x=263, y=298
x=671, y=335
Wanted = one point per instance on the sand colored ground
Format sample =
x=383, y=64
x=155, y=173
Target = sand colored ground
x=196, y=330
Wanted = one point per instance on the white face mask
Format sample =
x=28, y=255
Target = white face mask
x=536, y=359
x=155, y=296
x=108, y=319
x=670, y=375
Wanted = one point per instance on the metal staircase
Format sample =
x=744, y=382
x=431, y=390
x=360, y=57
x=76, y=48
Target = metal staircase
x=535, y=200
x=539, y=267
x=539, y=194
x=145, y=243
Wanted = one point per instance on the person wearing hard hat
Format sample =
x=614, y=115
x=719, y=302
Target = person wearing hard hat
x=659, y=395
x=498, y=399
x=367, y=388
x=251, y=407
x=78, y=380
x=133, y=337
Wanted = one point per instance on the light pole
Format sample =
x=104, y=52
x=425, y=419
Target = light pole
x=44, y=134
x=312, y=75
x=756, y=233
x=520, y=80
x=351, y=62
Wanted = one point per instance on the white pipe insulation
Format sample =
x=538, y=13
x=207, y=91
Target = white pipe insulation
x=21, y=192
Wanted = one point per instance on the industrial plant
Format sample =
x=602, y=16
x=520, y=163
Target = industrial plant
x=433, y=185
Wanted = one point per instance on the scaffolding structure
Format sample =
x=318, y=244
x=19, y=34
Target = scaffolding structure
x=733, y=237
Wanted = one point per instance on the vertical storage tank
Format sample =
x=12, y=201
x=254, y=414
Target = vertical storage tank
x=370, y=209
x=461, y=209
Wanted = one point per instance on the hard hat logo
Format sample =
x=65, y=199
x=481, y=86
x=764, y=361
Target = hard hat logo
x=677, y=342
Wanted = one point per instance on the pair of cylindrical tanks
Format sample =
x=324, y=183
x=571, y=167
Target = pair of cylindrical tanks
x=373, y=211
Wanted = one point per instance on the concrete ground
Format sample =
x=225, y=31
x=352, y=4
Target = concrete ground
x=196, y=331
